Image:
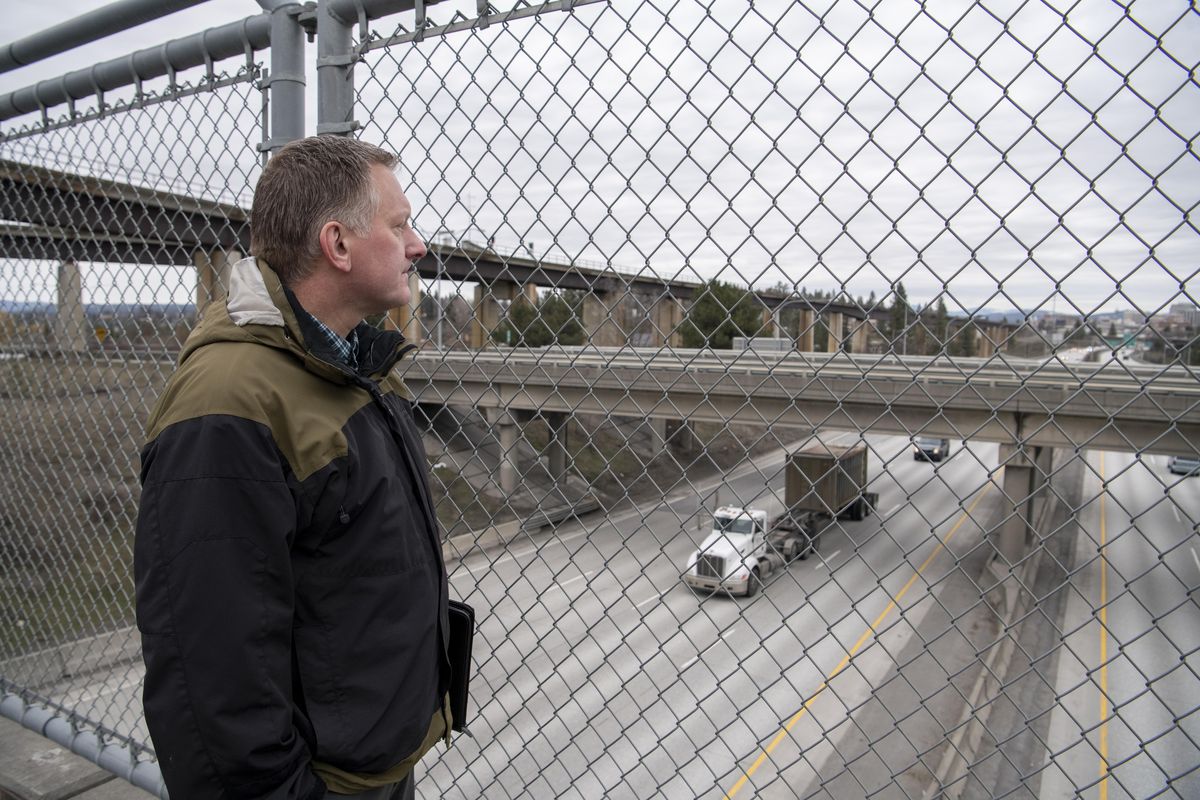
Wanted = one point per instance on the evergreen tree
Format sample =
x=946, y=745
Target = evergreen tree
x=899, y=318
x=941, y=325
x=964, y=341
x=720, y=311
x=820, y=336
x=554, y=320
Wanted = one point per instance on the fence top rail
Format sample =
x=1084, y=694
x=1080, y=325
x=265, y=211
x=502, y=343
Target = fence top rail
x=243, y=37
x=89, y=27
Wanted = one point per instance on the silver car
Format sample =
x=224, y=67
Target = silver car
x=1184, y=465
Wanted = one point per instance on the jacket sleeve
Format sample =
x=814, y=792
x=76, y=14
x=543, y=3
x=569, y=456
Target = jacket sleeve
x=214, y=607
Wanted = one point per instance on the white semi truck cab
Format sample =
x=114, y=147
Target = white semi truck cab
x=742, y=549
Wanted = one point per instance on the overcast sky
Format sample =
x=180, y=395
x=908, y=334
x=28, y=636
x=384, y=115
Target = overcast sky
x=990, y=150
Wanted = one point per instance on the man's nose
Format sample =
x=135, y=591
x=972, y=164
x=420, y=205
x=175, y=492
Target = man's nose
x=416, y=247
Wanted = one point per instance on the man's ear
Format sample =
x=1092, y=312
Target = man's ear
x=334, y=245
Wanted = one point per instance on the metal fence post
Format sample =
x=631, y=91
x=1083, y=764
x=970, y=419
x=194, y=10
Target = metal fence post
x=287, y=80
x=335, y=72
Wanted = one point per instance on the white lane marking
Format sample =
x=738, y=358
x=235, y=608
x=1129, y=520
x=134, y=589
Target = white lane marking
x=889, y=512
x=652, y=598
x=1195, y=557
x=825, y=561
x=696, y=658
x=1175, y=508
x=568, y=582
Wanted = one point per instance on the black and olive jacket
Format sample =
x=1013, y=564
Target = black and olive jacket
x=291, y=593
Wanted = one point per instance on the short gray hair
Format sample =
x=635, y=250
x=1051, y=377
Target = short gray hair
x=307, y=183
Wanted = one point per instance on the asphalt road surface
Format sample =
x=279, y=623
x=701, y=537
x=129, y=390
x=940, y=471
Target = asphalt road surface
x=602, y=675
x=1129, y=676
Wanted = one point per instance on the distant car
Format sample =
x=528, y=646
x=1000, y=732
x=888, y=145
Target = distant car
x=928, y=449
x=1184, y=465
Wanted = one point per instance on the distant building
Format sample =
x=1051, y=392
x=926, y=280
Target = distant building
x=1185, y=315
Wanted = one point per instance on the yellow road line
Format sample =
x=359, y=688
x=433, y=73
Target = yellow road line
x=786, y=729
x=1103, y=641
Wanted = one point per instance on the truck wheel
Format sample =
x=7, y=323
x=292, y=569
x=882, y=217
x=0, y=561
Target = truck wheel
x=752, y=583
x=856, y=510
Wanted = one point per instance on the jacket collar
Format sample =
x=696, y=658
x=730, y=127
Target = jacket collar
x=257, y=299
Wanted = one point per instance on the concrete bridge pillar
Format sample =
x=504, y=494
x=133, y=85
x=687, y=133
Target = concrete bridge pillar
x=602, y=319
x=1024, y=475
x=985, y=342
x=808, y=324
x=657, y=428
x=70, y=321
x=407, y=318
x=556, y=444
x=667, y=316
x=770, y=323
x=858, y=337
x=490, y=302
x=508, y=433
x=836, y=323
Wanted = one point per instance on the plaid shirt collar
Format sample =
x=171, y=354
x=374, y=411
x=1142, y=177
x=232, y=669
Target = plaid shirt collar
x=346, y=350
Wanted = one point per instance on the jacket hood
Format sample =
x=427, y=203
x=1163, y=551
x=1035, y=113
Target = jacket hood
x=258, y=309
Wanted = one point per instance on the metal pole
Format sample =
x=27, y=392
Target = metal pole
x=336, y=55
x=206, y=47
x=89, y=27
x=335, y=72
x=287, y=80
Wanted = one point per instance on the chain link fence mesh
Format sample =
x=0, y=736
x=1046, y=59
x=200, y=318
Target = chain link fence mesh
x=673, y=244
x=102, y=213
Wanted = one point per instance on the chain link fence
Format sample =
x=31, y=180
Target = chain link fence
x=810, y=390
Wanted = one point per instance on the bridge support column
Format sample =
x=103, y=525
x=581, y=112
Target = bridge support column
x=508, y=432
x=667, y=316
x=602, y=319
x=835, y=321
x=407, y=318
x=858, y=337
x=556, y=444
x=808, y=325
x=985, y=342
x=1022, y=480
x=490, y=302
x=770, y=323
x=70, y=321
x=657, y=428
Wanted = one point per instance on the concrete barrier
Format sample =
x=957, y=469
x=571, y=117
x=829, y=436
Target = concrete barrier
x=76, y=658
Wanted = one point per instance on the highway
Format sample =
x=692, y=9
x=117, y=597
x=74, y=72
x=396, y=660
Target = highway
x=601, y=675
x=1128, y=724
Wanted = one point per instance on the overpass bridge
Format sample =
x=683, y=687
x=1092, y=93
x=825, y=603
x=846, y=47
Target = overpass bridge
x=1029, y=407
x=65, y=217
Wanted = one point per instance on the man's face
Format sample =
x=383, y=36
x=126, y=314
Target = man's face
x=382, y=257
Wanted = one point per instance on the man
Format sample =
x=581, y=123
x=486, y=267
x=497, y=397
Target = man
x=291, y=594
